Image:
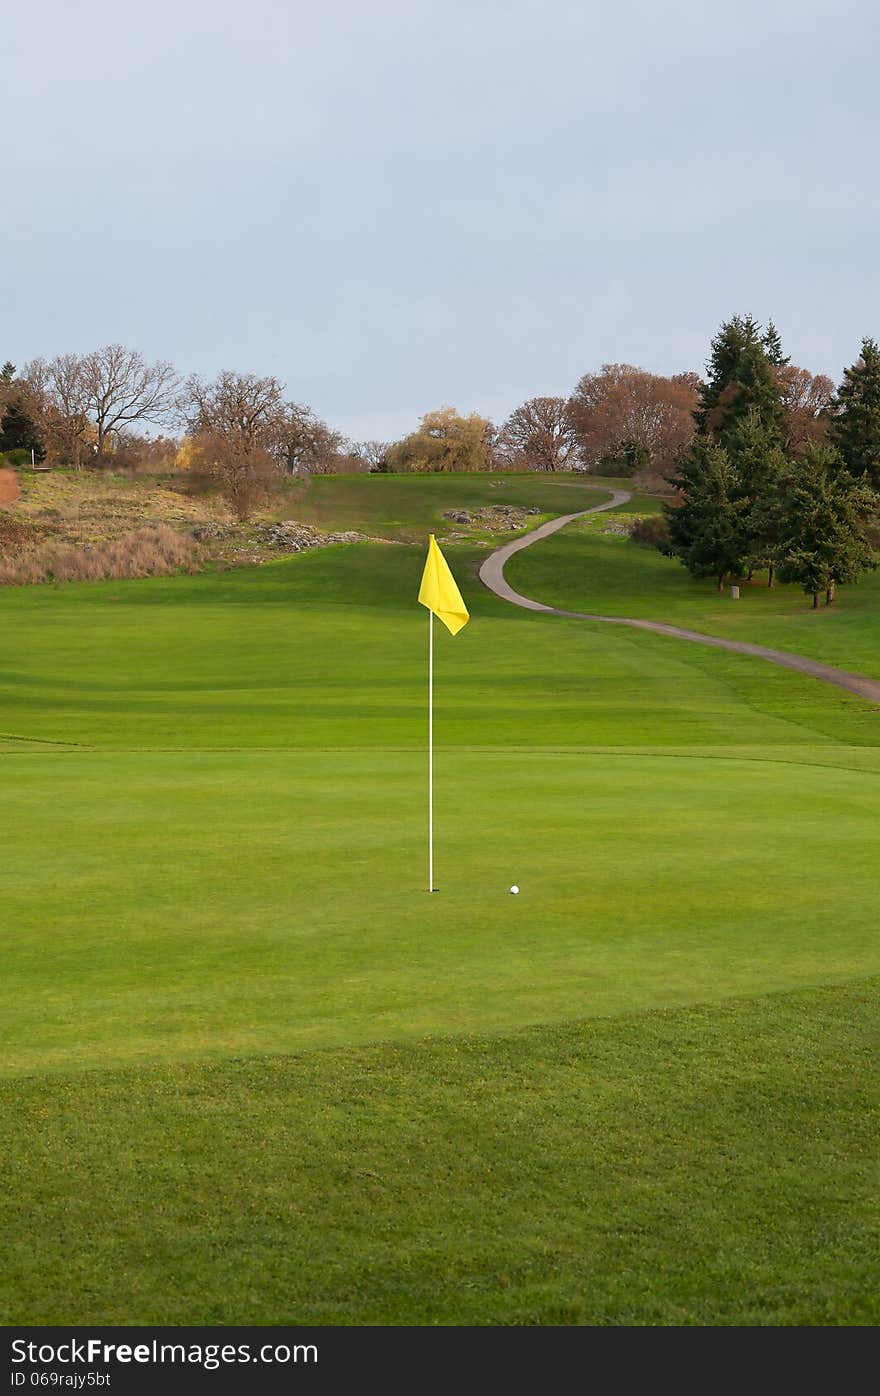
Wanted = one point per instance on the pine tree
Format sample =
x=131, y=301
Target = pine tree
x=855, y=416
x=707, y=530
x=741, y=379
x=773, y=346
x=760, y=466
x=19, y=431
x=825, y=511
x=7, y=372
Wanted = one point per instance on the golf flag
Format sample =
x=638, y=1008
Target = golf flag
x=439, y=591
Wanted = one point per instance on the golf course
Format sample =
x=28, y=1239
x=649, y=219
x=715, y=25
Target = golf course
x=252, y=1073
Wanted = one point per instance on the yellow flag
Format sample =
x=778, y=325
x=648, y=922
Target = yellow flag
x=439, y=592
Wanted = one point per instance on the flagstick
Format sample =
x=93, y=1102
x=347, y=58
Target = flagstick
x=430, y=751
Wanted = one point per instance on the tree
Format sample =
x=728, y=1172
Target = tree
x=245, y=473
x=805, y=400
x=741, y=378
x=60, y=389
x=773, y=346
x=374, y=455
x=826, y=512
x=232, y=423
x=240, y=406
x=250, y=412
x=854, y=416
x=444, y=442
x=541, y=435
x=759, y=466
x=19, y=431
x=122, y=388
x=624, y=413
x=300, y=442
x=707, y=524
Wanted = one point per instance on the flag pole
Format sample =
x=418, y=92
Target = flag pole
x=430, y=751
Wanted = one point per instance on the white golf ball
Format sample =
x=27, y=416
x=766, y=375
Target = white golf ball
x=514, y=889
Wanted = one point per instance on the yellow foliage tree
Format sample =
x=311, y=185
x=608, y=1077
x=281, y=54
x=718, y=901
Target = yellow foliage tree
x=444, y=442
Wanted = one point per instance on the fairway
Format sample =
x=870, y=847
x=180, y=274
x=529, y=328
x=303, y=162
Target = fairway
x=214, y=874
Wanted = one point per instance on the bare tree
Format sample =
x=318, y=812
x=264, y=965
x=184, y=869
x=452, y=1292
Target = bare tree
x=541, y=434
x=373, y=453
x=122, y=388
x=624, y=413
x=241, y=406
x=61, y=390
x=300, y=442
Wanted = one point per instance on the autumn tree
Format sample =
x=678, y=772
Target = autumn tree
x=805, y=400
x=623, y=414
x=231, y=423
x=60, y=390
x=854, y=416
x=540, y=435
x=444, y=442
x=245, y=474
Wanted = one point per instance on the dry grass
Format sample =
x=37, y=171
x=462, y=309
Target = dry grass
x=9, y=486
x=149, y=552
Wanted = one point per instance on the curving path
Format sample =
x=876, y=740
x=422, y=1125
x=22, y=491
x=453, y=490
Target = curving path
x=492, y=576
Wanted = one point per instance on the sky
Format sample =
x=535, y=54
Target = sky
x=396, y=204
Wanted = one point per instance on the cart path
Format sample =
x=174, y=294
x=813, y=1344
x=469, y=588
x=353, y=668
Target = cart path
x=492, y=576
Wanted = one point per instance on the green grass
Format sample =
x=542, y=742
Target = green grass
x=279, y=904
x=254, y=1073
x=407, y=507
x=704, y=1166
x=583, y=569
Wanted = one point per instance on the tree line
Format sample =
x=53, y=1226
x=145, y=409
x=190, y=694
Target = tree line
x=772, y=467
x=762, y=489
x=92, y=409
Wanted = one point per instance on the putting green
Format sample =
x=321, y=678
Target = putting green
x=164, y=903
x=212, y=791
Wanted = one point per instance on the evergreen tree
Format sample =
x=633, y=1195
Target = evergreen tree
x=741, y=379
x=773, y=346
x=855, y=416
x=19, y=431
x=707, y=530
x=760, y=466
x=825, y=511
x=7, y=372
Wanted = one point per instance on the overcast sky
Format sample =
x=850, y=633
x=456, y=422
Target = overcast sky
x=393, y=204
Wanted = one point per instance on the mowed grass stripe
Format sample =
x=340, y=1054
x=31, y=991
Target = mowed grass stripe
x=179, y=905
x=714, y=1165
x=328, y=650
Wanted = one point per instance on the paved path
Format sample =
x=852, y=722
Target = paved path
x=492, y=576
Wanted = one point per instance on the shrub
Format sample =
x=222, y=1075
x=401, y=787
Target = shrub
x=652, y=531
